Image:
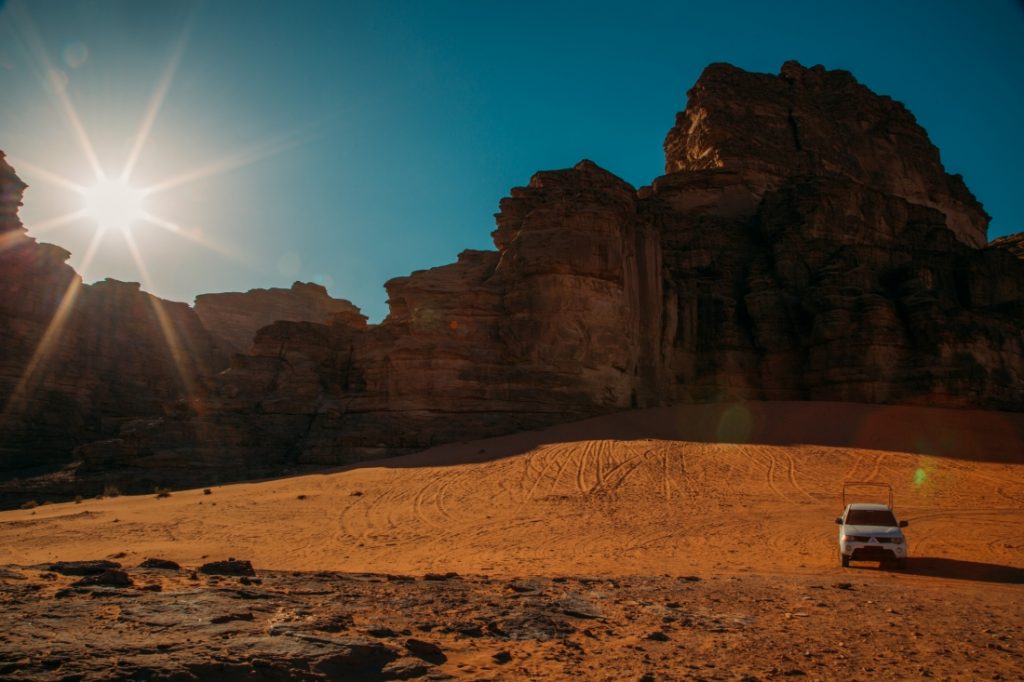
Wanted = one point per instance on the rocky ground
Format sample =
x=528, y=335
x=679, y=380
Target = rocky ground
x=621, y=548
x=184, y=623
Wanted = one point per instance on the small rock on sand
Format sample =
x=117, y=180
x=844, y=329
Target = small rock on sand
x=113, y=577
x=229, y=567
x=83, y=567
x=163, y=564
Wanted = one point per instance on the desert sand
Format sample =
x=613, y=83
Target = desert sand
x=739, y=494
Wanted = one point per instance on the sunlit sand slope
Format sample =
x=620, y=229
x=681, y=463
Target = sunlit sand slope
x=635, y=493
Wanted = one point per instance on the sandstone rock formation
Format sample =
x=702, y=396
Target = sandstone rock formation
x=806, y=243
x=79, y=360
x=1014, y=243
x=234, y=318
x=820, y=123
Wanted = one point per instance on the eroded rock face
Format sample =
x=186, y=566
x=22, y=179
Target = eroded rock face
x=821, y=123
x=838, y=268
x=1014, y=243
x=79, y=360
x=806, y=244
x=550, y=328
x=234, y=318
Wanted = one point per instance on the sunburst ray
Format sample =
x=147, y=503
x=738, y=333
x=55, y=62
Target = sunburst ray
x=37, y=228
x=196, y=236
x=51, y=336
x=174, y=344
x=156, y=102
x=30, y=37
x=235, y=160
x=53, y=178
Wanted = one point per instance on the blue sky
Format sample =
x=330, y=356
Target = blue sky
x=359, y=141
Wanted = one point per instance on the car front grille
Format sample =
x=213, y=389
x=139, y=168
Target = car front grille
x=868, y=538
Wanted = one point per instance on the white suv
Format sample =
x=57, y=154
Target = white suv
x=870, y=532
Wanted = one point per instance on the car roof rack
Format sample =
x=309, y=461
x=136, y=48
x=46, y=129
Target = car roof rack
x=850, y=484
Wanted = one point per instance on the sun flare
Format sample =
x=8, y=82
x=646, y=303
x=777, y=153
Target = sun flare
x=114, y=204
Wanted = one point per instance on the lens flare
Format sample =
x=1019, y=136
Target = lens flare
x=735, y=424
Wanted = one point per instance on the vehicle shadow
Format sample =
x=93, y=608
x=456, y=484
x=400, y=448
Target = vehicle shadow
x=937, y=567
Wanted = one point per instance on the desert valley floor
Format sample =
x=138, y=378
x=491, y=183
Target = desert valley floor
x=693, y=542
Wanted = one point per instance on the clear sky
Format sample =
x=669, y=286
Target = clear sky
x=352, y=142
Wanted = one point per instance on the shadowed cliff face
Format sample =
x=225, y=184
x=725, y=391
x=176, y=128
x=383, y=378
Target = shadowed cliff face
x=819, y=123
x=79, y=360
x=806, y=244
x=234, y=318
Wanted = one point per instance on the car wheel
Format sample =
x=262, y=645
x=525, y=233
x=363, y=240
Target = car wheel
x=845, y=559
x=901, y=564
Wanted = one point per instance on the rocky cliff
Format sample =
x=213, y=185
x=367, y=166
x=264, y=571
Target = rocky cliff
x=806, y=243
x=814, y=122
x=79, y=360
x=1014, y=243
x=234, y=318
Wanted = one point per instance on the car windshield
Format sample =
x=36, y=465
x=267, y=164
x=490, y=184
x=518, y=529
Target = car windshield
x=870, y=517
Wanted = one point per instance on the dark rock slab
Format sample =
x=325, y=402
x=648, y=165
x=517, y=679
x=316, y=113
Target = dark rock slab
x=352, y=656
x=407, y=668
x=428, y=651
x=229, y=567
x=162, y=564
x=112, y=577
x=83, y=567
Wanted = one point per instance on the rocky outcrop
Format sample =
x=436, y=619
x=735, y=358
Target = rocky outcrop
x=188, y=627
x=498, y=341
x=80, y=360
x=800, y=273
x=234, y=318
x=549, y=328
x=815, y=122
x=1014, y=243
x=805, y=244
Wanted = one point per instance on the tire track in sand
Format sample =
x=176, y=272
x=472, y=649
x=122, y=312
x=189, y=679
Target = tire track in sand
x=770, y=473
x=540, y=477
x=585, y=455
x=791, y=474
x=877, y=465
x=613, y=479
x=858, y=459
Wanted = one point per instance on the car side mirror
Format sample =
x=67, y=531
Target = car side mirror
x=904, y=524
x=839, y=520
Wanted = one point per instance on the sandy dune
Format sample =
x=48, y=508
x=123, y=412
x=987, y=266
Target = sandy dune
x=645, y=492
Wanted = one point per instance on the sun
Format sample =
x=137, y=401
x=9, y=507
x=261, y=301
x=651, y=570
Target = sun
x=114, y=204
